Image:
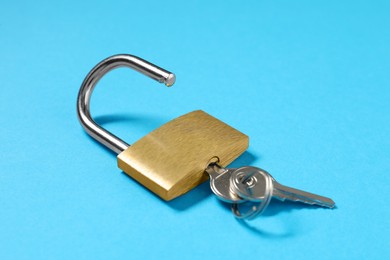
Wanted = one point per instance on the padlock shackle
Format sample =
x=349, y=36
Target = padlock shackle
x=103, y=136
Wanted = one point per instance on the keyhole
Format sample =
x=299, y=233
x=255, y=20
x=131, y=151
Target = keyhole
x=247, y=180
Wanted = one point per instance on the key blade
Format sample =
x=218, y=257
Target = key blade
x=282, y=192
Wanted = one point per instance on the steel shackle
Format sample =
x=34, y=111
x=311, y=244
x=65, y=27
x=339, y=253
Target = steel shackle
x=103, y=136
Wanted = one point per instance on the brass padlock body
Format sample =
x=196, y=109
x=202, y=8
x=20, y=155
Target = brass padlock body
x=171, y=160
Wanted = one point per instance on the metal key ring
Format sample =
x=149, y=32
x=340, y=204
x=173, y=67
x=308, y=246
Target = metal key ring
x=261, y=206
x=247, y=215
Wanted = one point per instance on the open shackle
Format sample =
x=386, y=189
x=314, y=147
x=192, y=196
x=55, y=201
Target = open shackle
x=103, y=136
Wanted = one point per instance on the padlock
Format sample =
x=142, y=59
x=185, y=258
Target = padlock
x=172, y=159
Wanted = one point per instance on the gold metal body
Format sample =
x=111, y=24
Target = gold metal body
x=171, y=160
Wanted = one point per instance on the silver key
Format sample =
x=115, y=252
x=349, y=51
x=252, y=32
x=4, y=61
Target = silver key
x=220, y=183
x=255, y=184
x=221, y=186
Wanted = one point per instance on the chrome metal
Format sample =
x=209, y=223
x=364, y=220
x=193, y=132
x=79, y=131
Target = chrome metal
x=252, y=183
x=283, y=193
x=220, y=183
x=256, y=185
x=255, y=209
x=83, y=108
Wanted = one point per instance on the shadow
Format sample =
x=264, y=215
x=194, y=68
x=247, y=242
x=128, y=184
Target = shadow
x=274, y=208
x=202, y=191
x=266, y=234
x=145, y=122
x=191, y=198
x=107, y=119
x=251, y=226
x=149, y=123
x=245, y=159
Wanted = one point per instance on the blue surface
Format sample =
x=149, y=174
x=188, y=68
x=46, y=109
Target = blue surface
x=308, y=81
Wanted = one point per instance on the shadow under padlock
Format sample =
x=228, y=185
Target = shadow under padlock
x=188, y=199
x=134, y=125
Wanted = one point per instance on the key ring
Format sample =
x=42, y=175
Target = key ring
x=257, y=208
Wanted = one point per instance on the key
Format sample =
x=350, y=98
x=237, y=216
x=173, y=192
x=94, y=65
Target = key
x=255, y=184
x=220, y=183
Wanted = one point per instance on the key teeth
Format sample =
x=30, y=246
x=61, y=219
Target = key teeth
x=321, y=204
x=333, y=204
x=286, y=193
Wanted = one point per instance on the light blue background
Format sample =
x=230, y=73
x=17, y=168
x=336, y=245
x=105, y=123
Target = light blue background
x=308, y=81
